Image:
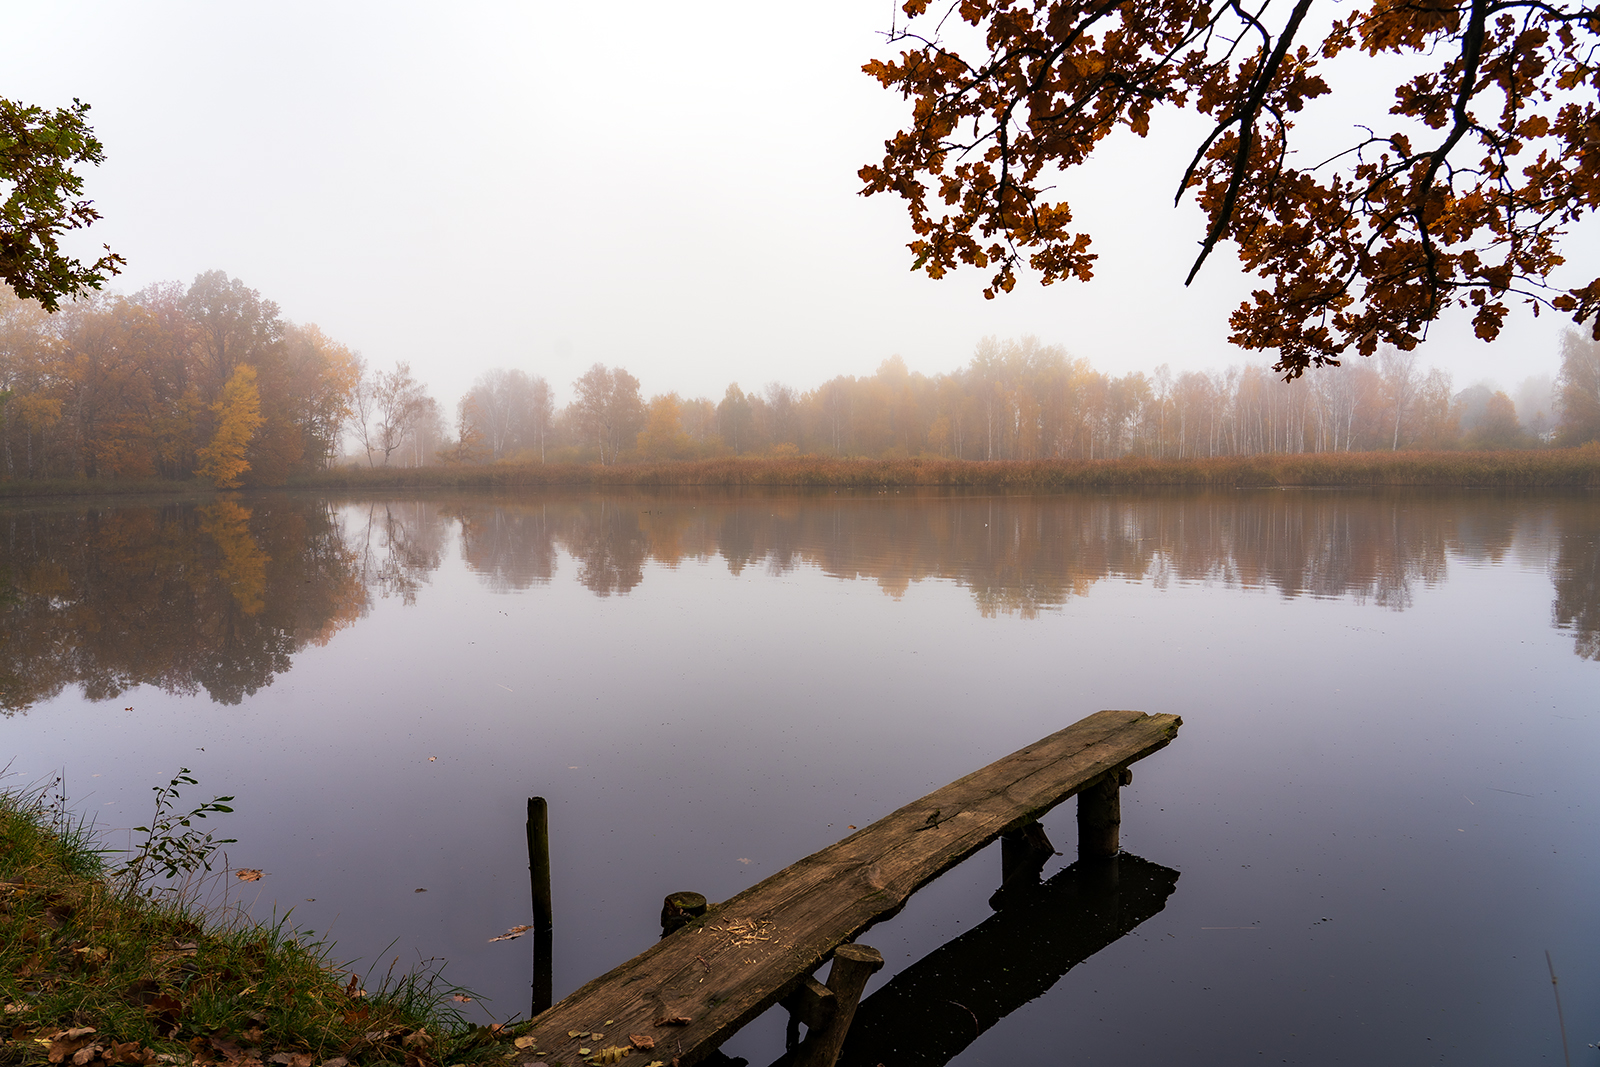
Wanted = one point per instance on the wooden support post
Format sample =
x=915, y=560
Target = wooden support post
x=852, y=966
x=813, y=1004
x=543, y=971
x=1024, y=852
x=680, y=909
x=539, y=860
x=539, y=882
x=1100, y=815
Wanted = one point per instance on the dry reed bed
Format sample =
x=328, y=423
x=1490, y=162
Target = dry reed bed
x=1551, y=468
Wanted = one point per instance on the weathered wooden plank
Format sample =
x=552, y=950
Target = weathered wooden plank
x=694, y=988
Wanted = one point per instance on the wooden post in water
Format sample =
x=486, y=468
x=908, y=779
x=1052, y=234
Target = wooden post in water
x=680, y=909
x=1100, y=815
x=852, y=966
x=539, y=879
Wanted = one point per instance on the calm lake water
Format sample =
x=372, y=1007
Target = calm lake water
x=1379, y=815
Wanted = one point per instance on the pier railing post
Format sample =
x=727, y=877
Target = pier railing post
x=1100, y=815
x=852, y=966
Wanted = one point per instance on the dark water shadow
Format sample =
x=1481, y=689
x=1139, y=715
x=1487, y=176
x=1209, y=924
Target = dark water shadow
x=931, y=1011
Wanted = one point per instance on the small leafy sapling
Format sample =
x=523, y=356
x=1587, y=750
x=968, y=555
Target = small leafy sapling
x=172, y=845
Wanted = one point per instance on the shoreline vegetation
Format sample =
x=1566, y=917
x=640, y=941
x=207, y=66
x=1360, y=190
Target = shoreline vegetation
x=1515, y=469
x=95, y=975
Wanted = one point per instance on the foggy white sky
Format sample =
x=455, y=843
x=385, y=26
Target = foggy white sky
x=671, y=188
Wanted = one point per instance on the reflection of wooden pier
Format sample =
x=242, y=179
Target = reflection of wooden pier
x=930, y=1012
x=692, y=990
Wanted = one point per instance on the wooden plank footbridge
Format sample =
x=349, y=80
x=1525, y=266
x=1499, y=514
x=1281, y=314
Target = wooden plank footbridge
x=728, y=963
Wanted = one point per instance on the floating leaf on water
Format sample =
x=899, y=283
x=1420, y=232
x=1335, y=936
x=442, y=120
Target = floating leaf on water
x=247, y=874
x=511, y=934
x=459, y=999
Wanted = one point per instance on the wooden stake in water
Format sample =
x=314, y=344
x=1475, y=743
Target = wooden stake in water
x=1560, y=1020
x=539, y=878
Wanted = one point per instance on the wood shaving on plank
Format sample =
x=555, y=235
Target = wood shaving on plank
x=746, y=931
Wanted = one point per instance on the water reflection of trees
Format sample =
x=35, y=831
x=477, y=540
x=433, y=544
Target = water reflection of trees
x=1577, y=579
x=219, y=597
x=1021, y=555
x=215, y=597
x=1017, y=555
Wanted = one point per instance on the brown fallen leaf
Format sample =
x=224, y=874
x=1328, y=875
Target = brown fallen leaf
x=128, y=1052
x=671, y=1020
x=642, y=1042
x=607, y=1056
x=511, y=934
x=82, y=1057
x=526, y=1041
x=67, y=1043
x=247, y=874
x=459, y=999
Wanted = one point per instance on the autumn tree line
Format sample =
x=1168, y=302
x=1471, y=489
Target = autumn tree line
x=212, y=382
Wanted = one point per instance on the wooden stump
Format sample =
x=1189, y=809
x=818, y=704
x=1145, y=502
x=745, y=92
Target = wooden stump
x=1100, y=815
x=680, y=909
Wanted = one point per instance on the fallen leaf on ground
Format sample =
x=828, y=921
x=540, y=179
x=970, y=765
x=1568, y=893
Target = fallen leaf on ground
x=614, y=1054
x=128, y=1052
x=66, y=1043
x=671, y=1020
x=511, y=934
x=247, y=874
x=642, y=1042
x=526, y=1041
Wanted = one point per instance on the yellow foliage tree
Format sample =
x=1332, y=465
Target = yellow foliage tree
x=238, y=417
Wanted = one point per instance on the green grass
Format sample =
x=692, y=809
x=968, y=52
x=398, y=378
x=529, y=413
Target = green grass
x=92, y=974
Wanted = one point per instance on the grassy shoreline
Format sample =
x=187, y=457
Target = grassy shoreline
x=1525, y=469
x=93, y=975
